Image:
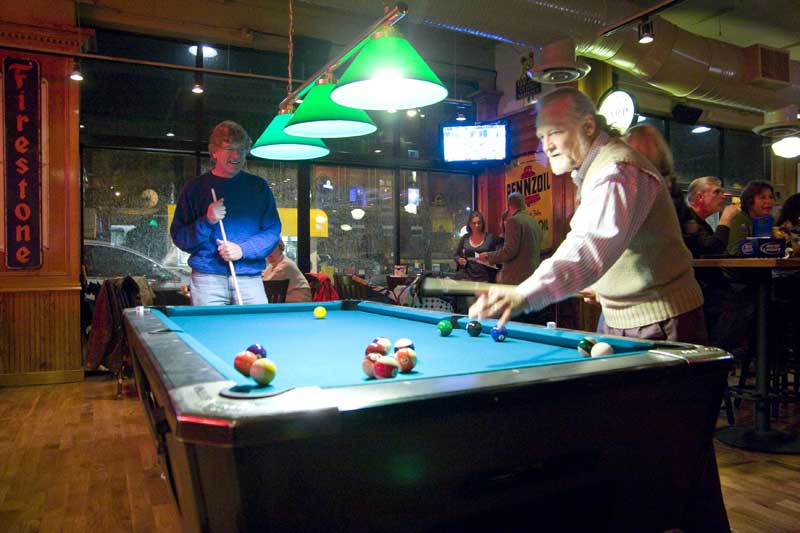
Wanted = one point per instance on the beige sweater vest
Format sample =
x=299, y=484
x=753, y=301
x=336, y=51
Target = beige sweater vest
x=653, y=279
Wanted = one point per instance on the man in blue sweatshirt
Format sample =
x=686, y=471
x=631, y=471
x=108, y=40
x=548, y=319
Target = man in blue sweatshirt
x=252, y=224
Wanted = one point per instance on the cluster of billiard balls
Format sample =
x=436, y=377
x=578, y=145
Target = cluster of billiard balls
x=589, y=347
x=474, y=328
x=253, y=363
x=378, y=363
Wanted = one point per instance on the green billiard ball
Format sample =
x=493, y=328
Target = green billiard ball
x=585, y=346
x=445, y=327
x=474, y=328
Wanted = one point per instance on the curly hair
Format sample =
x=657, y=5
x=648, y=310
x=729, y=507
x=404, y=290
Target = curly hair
x=751, y=190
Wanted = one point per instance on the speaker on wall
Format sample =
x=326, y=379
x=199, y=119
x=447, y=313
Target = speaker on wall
x=686, y=114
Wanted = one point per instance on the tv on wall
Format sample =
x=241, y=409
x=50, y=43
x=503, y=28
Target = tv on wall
x=475, y=143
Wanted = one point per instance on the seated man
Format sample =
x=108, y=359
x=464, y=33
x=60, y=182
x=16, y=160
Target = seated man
x=281, y=267
x=705, y=198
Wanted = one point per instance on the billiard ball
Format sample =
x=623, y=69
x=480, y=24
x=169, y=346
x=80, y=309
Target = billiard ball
x=386, y=367
x=374, y=347
x=403, y=343
x=257, y=349
x=263, y=371
x=368, y=366
x=474, y=328
x=602, y=348
x=585, y=346
x=499, y=334
x=384, y=342
x=407, y=359
x=320, y=311
x=243, y=361
x=445, y=327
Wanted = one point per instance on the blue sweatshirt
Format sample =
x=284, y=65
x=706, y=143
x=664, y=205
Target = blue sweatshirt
x=251, y=221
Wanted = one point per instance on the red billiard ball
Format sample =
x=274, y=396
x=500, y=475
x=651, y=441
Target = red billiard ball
x=386, y=367
x=243, y=361
x=406, y=358
x=374, y=347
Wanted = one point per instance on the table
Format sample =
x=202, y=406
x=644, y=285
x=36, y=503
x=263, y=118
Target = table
x=760, y=437
x=481, y=434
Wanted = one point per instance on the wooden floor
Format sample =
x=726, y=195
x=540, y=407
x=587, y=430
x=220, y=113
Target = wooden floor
x=75, y=458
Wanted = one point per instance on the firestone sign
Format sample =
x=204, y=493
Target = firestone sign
x=23, y=149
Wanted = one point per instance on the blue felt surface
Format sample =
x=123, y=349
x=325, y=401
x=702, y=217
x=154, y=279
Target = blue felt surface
x=329, y=352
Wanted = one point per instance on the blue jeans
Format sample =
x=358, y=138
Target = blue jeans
x=215, y=289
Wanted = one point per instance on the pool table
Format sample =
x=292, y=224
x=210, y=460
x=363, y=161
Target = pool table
x=480, y=435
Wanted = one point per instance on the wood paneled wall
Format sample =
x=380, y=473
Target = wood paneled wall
x=40, y=338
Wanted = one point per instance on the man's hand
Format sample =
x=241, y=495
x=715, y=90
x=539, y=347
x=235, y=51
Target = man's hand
x=215, y=211
x=728, y=214
x=589, y=297
x=503, y=303
x=461, y=261
x=484, y=257
x=229, y=251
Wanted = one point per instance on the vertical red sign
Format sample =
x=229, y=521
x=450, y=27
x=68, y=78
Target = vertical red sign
x=23, y=153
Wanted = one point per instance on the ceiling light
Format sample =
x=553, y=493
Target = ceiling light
x=701, y=129
x=275, y=144
x=197, y=89
x=411, y=113
x=319, y=116
x=357, y=213
x=460, y=117
x=641, y=118
x=346, y=227
x=170, y=134
x=377, y=150
x=81, y=126
x=388, y=74
x=391, y=110
x=787, y=147
x=76, y=75
x=646, y=35
x=207, y=51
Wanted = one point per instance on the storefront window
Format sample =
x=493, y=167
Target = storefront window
x=352, y=221
x=433, y=209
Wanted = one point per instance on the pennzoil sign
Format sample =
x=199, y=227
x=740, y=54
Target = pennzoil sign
x=23, y=169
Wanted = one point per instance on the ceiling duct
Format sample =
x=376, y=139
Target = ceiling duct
x=780, y=123
x=557, y=64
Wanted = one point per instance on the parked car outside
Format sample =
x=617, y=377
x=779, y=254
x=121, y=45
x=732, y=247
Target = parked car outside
x=104, y=260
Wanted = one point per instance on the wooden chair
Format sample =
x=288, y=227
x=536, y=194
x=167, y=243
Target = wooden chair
x=276, y=290
x=349, y=289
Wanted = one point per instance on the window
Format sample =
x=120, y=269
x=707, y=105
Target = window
x=433, y=209
x=352, y=220
x=744, y=158
x=696, y=154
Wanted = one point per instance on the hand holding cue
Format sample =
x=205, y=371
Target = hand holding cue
x=230, y=263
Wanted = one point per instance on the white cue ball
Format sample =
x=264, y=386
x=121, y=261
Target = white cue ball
x=602, y=348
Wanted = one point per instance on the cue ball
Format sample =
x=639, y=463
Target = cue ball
x=263, y=371
x=585, y=346
x=602, y=348
x=474, y=328
x=499, y=334
x=320, y=311
x=257, y=349
x=445, y=327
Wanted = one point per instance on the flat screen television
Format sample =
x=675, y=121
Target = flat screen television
x=475, y=143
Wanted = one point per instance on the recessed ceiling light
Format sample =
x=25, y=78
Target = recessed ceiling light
x=197, y=89
x=207, y=51
x=170, y=134
x=377, y=150
x=701, y=129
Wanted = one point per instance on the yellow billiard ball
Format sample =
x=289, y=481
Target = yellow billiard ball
x=320, y=311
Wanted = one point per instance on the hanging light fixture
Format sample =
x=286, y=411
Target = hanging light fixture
x=275, y=144
x=646, y=35
x=788, y=147
x=76, y=72
x=388, y=74
x=319, y=116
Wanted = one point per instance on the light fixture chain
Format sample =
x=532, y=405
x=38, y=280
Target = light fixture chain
x=291, y=45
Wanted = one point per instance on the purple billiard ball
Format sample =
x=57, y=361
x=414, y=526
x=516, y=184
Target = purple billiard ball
x=257, y=349
x=499, y=334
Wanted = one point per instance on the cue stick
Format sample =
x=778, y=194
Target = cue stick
x=230, y=263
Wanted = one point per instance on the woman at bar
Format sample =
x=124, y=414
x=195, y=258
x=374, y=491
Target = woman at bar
x=757, y=200
x=476, y=240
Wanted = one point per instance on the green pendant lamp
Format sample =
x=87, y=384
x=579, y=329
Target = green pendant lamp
x=388, y=74
x=318, y=116
x=275, y=144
